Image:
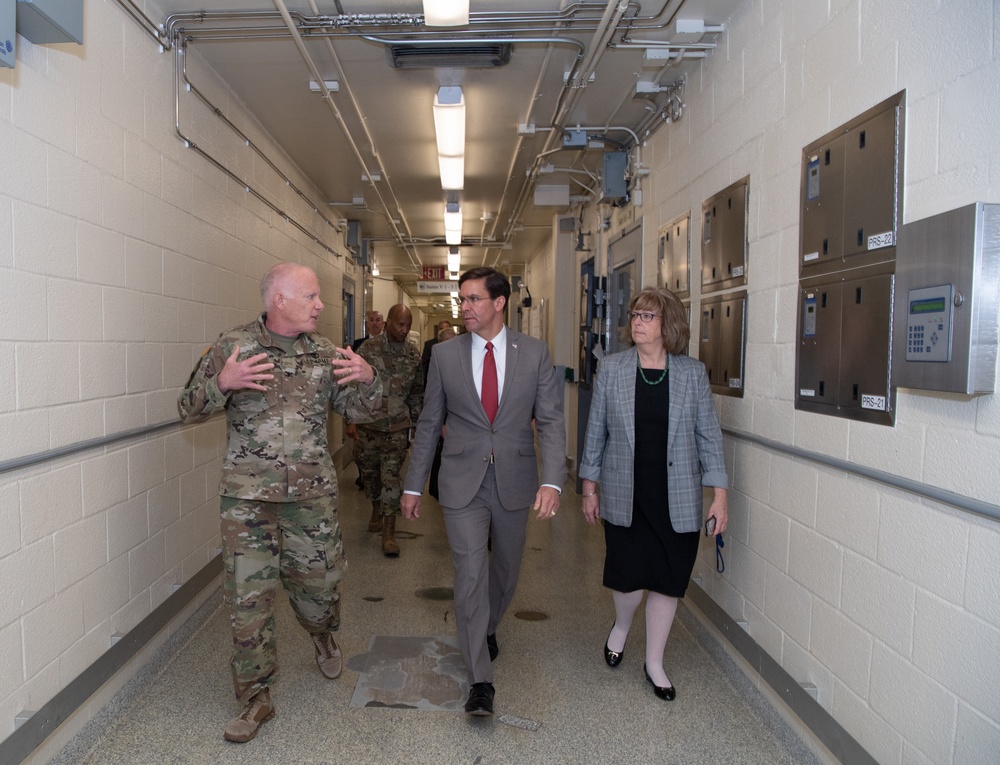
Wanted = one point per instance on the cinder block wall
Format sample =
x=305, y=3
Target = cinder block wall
x=122, y=255
x=886, y=603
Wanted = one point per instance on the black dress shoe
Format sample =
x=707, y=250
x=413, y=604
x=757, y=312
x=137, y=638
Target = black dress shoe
x=492, y=647
x=480, y=701
x=667, y=694
x=613, y=658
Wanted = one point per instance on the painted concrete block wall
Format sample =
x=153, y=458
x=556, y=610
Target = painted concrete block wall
x=885, y=602
x=122, y=255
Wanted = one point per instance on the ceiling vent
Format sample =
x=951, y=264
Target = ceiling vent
x=459, y=55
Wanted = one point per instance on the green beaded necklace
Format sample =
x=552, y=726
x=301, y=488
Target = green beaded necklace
x=638, y=365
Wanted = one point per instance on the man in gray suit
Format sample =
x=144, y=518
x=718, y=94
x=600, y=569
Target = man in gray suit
x=491, y=383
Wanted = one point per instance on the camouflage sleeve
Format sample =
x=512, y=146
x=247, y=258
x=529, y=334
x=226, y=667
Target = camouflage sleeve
x=415, y=398
x=358, y=402
x=201, y=397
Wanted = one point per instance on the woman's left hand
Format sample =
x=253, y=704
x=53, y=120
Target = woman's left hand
x=590, y=503
x=720, y=510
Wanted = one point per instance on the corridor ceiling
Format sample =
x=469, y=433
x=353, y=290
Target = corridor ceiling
x=582, y=79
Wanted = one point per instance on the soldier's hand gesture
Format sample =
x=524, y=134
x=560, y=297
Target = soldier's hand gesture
x=237, y=375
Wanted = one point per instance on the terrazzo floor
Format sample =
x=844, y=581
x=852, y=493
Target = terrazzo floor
x=400, y=697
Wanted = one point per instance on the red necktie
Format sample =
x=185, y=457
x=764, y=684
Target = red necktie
x=490, y=396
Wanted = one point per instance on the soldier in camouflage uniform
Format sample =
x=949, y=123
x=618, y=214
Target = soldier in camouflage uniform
x=278, y=486
x=381, y=445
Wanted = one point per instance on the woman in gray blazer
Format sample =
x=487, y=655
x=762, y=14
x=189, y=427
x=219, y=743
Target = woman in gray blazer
x=653, y=441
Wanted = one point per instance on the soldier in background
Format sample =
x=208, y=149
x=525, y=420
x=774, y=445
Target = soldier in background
x=279, y=486
x=381, y=444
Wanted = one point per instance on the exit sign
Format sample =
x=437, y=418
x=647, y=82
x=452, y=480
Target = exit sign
x=434, y=273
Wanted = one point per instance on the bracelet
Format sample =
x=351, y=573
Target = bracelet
x=592, y=494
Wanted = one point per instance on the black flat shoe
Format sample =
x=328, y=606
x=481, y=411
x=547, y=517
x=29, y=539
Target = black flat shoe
x=613, y=658
x=667, y=694
x=480, y=701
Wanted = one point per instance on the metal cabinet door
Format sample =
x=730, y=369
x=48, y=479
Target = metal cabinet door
x=732, y=334
x=820, y=331
x=870, y=183
x=867, y=328
x=675, y=250
x=710, y=341
x=822, y=230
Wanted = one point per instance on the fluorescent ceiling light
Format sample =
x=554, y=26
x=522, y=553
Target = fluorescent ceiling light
x=332, y=85
x=452, y=171
x=453, y=221
x=453, y=276
x=446, y=13
x=449, y=126
x=454, y=262
x=453, y=237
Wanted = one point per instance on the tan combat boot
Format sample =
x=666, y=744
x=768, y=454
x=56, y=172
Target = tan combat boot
x=389, y=546
x=328, y=655
x=245, y=725
x=375, y=524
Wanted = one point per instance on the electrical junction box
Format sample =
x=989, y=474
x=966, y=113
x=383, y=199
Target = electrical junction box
x=8, y=34
x=575, y=139
x=50, y=21
x=613, y=183
x=366, y=255
x=946, y=302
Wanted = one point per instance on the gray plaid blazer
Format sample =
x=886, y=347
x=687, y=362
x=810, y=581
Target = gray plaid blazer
x=694, y=441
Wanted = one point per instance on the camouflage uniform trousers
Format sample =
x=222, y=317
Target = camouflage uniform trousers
x=380, y=458
x=295, y=543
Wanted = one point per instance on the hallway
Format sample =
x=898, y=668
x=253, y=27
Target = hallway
x=557, y=701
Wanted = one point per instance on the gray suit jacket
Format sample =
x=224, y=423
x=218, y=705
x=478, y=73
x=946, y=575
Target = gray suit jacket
x=694, y=441
x=530, y=389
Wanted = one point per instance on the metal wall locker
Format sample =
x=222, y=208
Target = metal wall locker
x=864, y=363
x=870, y=191
x=675, y=251
x=724, y=237
x=819, y=345
x=709, y=341
x=823, y=204
x=732, y=332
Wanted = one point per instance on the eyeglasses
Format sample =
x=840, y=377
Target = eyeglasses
x=472, y=300
x=644, y=316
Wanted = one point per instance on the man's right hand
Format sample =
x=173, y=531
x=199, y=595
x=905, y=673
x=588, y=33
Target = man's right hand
x=238, y=375
x=410, y=505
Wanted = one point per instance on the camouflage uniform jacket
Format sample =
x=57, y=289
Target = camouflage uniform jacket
x=278, y=449
x=398, y=365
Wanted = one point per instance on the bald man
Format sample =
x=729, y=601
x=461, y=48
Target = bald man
x=381, y=446
x=277, y=380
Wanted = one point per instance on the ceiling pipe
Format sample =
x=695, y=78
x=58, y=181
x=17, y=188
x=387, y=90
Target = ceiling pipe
x=349, y=92
x=310, y=64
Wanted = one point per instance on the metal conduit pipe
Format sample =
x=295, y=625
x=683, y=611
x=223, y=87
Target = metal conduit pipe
x=180, y=72
x=147, y=24
x=349, y=92
x=178, y=52
x=606, y=29
x=397, y=234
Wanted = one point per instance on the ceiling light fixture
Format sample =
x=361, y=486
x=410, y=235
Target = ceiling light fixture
x=449, y=125
x=446, y=13
x=453, y=221
x=374, y=269
x=454, y=260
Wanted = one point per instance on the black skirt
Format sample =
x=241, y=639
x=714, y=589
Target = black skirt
x=649, y=554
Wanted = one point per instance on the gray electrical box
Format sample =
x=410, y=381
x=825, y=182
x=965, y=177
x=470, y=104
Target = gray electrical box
x=50, y=21
x=724, y=237
x=722, y=342
x=675, y=257
x=947, y=296
x=8, y=34
x=850, y=199
x=845, y=323
x=614, y=185
x=366, y=253
x=353, y=236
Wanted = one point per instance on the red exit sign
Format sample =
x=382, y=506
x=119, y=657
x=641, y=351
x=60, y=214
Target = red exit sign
x=433, y=273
